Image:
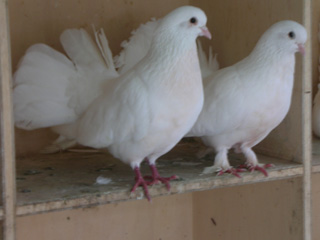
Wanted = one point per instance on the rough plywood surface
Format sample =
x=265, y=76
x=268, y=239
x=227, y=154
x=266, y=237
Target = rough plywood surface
x=67, y=180
x=266, y=211
x=166, y=218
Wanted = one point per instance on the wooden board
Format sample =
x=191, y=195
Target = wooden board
x=7, y=132
x=264, y=211
x=166, y=218
x=306, y=135
x=68, y=180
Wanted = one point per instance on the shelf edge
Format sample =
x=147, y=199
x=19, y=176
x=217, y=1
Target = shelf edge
x=156, y=191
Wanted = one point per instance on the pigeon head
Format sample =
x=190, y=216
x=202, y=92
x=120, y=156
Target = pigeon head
x=286, y=37
x=185, y=22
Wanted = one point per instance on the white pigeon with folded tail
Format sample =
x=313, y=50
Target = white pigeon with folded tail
x=246, y=101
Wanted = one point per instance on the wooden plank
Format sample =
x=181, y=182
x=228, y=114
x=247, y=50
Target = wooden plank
x=102, y=199
x=7, y=133
x=263, y=211
x=156, y=191
x=306, y=123
x=68, y=180
x=169, y=217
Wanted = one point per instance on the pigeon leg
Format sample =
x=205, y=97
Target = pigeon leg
x=252, y=163
x=155, y=178
x=221, y=165
x=141, y=182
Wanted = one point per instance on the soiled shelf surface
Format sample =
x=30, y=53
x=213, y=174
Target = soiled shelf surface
x=68, y=180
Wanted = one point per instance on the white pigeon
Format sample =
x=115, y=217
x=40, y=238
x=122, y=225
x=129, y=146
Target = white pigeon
x=246, y=101
x=139, y=43
x=146, y=111
x=51, y=90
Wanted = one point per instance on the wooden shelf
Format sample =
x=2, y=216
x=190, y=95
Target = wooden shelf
x=68, y=180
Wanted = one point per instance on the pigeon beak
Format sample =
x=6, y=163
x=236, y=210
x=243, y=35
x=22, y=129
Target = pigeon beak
x=301, y=48
x=205, y=32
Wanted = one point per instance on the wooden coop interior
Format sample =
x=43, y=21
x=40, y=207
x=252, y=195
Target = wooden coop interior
x=56, y=196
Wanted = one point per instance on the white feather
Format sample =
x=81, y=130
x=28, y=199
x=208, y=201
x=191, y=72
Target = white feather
x=40, y=83
x=103, y=181
x=103, y=45
x=208, y=64
x=51, y=90
x=137, y=47
x=139, y=43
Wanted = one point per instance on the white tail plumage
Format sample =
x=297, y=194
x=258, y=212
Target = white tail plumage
x=49, y=89
x=208, y=64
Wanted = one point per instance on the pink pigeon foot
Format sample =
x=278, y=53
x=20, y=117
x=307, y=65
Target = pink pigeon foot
x=155, y=178
x=259, y=167
x=141, y=182
x=233, y=171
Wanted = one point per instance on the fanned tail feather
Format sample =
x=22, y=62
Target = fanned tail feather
x=103, y=45
x=40, y=88
x=51, y=90
x=94, y=66
x=208, y=65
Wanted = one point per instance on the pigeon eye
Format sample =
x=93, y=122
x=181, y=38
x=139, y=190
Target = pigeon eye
x=292, y=35
x=193, y=20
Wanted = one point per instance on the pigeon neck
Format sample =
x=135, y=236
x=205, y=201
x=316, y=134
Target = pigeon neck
x=169, y=57
x=265, y=53
x=169, y=43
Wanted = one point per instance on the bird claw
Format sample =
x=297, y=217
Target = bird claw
x=233, y=171
x=155, y=178
x=259, y=167
x=164, y=180
x=140, y=181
